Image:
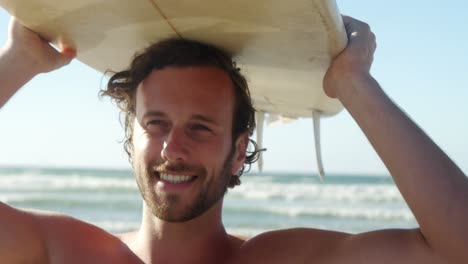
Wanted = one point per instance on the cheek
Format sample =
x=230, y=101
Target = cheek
x=144, y=147
x=210, y=154
x=225, y=154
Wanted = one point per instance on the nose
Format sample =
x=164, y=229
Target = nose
x=174, y=146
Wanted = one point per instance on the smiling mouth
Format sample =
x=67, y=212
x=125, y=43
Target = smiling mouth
x=175, y=178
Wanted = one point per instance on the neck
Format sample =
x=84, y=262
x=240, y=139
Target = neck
x=198, y=240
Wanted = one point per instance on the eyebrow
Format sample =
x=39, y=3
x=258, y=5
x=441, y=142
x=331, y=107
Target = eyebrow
x=194, y=116
x=154, y=114
x=204, y=119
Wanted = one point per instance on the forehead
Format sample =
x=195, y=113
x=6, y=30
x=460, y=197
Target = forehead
x=187, y=90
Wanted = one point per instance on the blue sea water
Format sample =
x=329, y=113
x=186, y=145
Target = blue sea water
x=110, y=199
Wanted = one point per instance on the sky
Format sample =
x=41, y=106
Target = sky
x=421, y=62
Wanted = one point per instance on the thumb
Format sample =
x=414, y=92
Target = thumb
x=68, y=54
x=62, y=57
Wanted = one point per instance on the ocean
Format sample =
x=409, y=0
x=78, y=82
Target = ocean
x=110, y=199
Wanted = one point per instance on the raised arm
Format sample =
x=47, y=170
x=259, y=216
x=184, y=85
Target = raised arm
x=24, y=56
x=434, y=187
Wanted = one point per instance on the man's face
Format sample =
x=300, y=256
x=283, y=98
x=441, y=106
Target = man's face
x=182, y=145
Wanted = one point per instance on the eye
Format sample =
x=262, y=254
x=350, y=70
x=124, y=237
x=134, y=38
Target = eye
x=199, y=132
x=157, y=123
x=154, y=122
x=200, y=127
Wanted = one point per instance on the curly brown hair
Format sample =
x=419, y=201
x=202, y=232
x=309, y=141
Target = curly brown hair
x=176, y=52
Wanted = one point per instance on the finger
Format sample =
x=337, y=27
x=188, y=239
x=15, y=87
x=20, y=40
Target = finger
x=354, y=25
x=351, y=26
x=346, y=19
x=68, y=53
x=66, y=50
x=374, y=42
x=60, y=58
x=351, y=20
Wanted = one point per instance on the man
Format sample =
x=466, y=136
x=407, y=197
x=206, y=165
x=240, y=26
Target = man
x=185, y=153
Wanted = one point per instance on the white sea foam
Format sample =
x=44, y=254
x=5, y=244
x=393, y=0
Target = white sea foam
x=96, y=198
x=311, y=192
x=350, y=213
x=54, y=182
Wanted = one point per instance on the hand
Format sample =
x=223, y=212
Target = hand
x=354, y=61
x=34, y=53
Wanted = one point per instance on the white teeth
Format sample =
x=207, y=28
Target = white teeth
x=175, y=178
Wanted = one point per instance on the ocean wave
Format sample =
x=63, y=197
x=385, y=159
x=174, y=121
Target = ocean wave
x=71, y=198
x=311, y=192
x=403, y=214
x=54, y=182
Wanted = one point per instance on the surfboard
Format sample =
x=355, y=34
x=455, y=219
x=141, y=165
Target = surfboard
x=283, y=47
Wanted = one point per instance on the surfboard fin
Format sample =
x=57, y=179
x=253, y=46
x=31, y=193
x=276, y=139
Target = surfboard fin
x=260, y=116
x=318, y=149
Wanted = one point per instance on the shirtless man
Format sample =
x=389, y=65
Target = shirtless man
x=179, y=128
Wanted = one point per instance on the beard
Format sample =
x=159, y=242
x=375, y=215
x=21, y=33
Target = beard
x=167, y=206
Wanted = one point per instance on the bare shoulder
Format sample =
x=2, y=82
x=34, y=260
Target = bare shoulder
x=289, y=245
x=305, y=245
x=387, y=246
x=31, y=236
x=21, y=238
x=69, y=239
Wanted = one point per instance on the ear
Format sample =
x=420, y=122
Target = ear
x=238, y=158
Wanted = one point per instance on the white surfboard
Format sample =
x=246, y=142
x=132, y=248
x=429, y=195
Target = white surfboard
x=284, y=47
